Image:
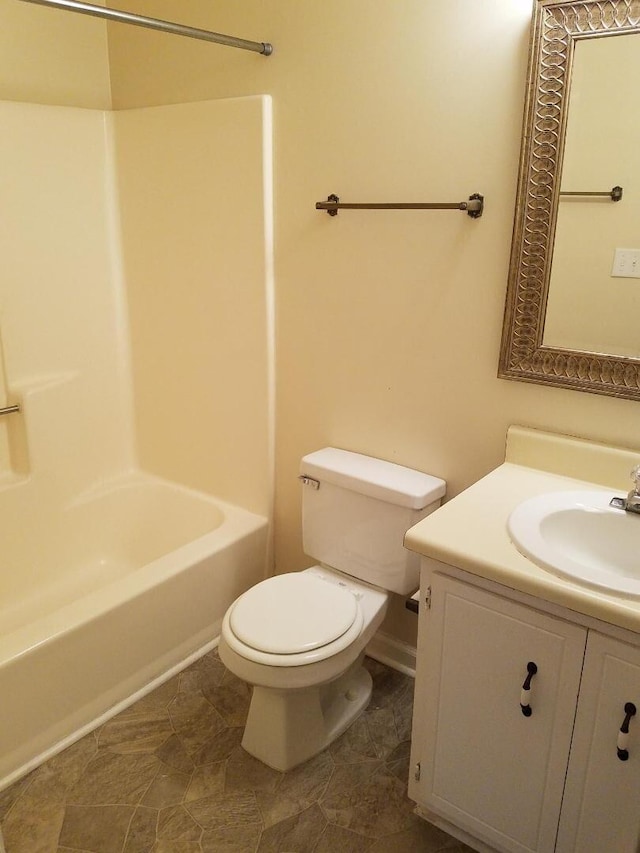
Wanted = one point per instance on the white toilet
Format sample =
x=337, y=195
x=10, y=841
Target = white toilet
x=300, y=638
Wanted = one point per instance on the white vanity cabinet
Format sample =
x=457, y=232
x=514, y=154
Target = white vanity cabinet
x=522, y=779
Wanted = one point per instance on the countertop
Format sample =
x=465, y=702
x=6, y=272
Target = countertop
x=470, y=531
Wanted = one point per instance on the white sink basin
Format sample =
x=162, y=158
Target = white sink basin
x=579, y=536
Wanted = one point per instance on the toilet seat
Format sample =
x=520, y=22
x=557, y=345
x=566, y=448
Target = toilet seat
x=292, y=620
x=293, y=613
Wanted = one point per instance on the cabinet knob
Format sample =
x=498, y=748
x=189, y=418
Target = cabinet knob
x=526, y=689
x=623, y=734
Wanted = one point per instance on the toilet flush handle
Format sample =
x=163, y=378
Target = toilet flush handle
x=309, y=481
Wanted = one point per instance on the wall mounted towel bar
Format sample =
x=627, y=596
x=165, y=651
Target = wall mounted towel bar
x=156, y=24
x=9, y=410
x=474, y=206
x=615, y=194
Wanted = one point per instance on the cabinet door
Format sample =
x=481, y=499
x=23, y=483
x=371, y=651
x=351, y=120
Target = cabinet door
x=601, y=808
x=485, y=766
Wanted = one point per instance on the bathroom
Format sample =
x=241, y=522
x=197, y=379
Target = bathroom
x=387, y=325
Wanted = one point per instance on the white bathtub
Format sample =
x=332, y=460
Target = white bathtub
x=105, y=597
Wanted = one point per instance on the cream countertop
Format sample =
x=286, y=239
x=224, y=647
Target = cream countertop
x=470, y=531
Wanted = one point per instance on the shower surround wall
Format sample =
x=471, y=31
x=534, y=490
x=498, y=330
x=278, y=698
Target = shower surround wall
x=191, y=368
x=195, y=191
x=62, y=321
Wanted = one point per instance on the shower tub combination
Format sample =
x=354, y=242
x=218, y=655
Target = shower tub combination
x=112, y=579
x=117, y=590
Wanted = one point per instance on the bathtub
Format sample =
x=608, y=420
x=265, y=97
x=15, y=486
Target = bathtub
x=104, y=598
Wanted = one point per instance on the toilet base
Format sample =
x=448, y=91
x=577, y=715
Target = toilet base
x=287, y=727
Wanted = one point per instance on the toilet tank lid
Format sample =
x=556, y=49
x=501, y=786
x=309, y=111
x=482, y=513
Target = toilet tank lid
x=373, y=477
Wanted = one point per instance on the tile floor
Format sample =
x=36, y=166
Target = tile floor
x=168, y=775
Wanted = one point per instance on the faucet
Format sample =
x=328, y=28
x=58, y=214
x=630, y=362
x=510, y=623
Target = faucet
x=632, y=502
x=633, y=498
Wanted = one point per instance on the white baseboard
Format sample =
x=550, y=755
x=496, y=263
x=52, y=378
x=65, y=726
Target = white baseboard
x=393, y=652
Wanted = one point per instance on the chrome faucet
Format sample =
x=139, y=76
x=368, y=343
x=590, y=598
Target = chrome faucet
x=633, y=498
x=632, y=502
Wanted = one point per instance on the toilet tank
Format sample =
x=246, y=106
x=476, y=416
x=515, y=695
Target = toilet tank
x=356, y=510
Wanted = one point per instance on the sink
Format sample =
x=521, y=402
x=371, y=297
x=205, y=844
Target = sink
x=578, y=535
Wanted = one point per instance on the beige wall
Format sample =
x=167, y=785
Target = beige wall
x=48, y=56
x=388, y=324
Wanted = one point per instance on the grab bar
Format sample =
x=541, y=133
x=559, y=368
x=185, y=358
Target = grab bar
x=9, y=410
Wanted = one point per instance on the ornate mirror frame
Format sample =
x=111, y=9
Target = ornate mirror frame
x=557, y=27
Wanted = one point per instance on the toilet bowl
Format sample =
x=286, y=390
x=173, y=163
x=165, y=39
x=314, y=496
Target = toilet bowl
x=299, y=638
x=304, y=698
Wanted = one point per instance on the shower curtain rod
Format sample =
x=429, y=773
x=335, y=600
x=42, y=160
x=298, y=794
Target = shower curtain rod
x=156, y=24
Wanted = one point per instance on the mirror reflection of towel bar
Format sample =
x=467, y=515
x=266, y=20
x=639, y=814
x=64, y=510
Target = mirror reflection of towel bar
x=615, y=194
x=9, y=410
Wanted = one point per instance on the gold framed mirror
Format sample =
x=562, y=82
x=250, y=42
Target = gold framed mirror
x=572, y=314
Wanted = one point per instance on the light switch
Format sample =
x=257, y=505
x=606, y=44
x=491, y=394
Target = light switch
x=626, y=263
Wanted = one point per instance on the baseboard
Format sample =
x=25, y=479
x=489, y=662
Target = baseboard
x=393, y=652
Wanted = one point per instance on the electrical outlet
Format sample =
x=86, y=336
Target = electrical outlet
x=626, y=263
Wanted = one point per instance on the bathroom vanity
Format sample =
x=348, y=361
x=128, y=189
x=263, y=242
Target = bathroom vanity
x=525, y=678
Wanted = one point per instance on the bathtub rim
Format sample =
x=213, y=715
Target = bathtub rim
x=237, y=522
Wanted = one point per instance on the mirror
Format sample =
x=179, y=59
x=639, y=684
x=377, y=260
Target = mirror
x=572, y=316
